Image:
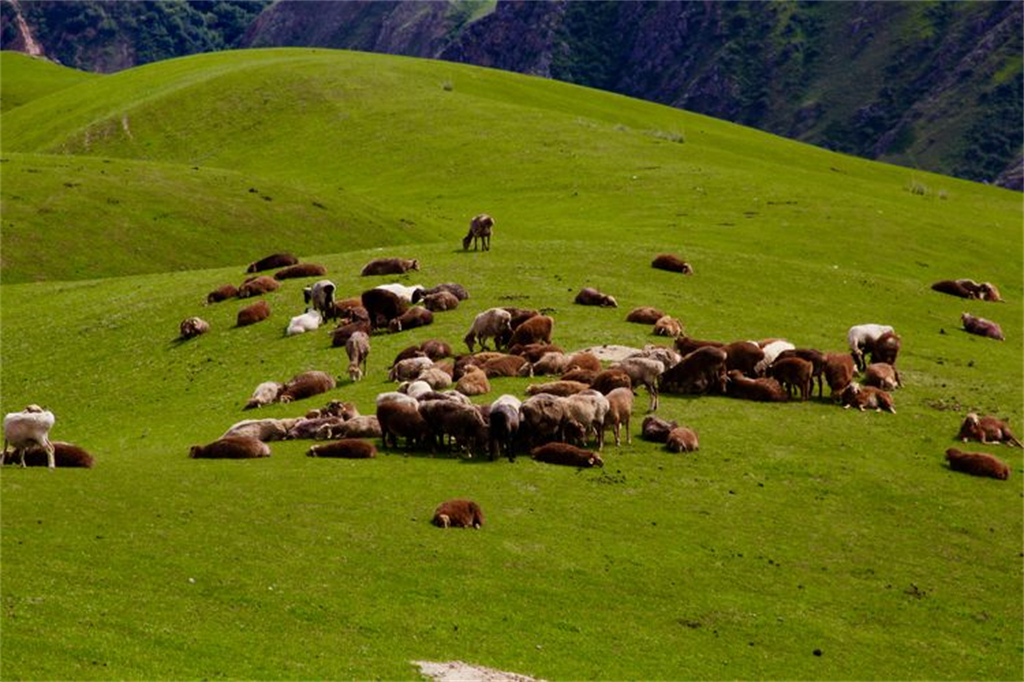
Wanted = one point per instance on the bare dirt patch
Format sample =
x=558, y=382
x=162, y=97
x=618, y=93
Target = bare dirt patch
x=457, y=671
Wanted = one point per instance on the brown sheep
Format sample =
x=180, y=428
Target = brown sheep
x=686, y=345
x=882, y=375
x=307, y=428
x=389, y=266
x=232, y=447
x=743, y=356
x=346, y=448
x=981, y=327
x=558, y=388
x=989, y=292
x=463, y=424
x=885, y=348
x=451, y=287
x=362, y=426
x=584, y=376
x=611, y=379
x=591, y=296
x=65, y=455
x=536, y=329
x=535, y=351
x=458, y=514
x=569, y=455
x=839, y=370
x=583, y=360
x=276, y=260
x=441, y=301
x=986, y=429
x=410, y=319
x=815, y=357
x=644, y=315
x=305, y=385
x=492, y=323
x=192, y=327
x=473, y=382
x=977, y=464
x=964, y=288
x=222, y=293
x=794, y=374
x=401, y=419
x=620, y=410
x=341, y=335
x=550, y=363
x=463, y=362
x=382, y=306
x=258, y=286
x=408, y=352
x=257, y=312
x=358, y=349
x=507, y=366
x=300, y=270
x=656, y=429
x=701, y=371
x=863, y=397
x=682, y=439
x=435, y=349
x=349, y=310
x=479, y=229
x=762, y=390
x=672, y=263
x=668, y=326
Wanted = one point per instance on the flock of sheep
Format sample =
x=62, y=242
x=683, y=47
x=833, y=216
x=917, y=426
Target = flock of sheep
x=560, y=421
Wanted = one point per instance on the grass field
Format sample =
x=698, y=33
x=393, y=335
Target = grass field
x=795, y=528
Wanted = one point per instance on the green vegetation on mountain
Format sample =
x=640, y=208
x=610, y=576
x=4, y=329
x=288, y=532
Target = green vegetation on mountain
x=802, y=541
x=25, y=79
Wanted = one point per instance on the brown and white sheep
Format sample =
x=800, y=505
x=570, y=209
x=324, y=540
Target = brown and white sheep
x=672, y=263
x=656, y=429
x=266, y=430
x=435, y=377
x=861, y=339
x=550, y=363
x=644, y=371
x=668, y=326
x=458, y=513
x=559, y=388
x=981, y=327
x=192, y=327
x=276, y=260
x=682, y=439
x=977, y=464
x=362, y=426
x=389, y=266
x=867, y=397
x=441, y=301
x=644, y=315
x=222, y=293
x=585, y=414
x=232, y=447
x=479, y=229
x=345, y=448
x=542, y=416
x=258, y=286
x=358, y=349
x=27, y=428
x=301, y=270
x=591, y=296
x=266, y=393
x=620, y=410
x=305, y=385
x=565, y=454
x=65, y=456
x=458, y=290
x=881, y=375
x=986, y=429
x=409, y=368
x=382, y=306
x=257, y=312
x=490, y=324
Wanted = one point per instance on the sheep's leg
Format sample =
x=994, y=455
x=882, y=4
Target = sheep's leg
x=48, y=446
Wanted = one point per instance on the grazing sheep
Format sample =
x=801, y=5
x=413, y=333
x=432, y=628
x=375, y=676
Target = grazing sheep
x=569, y=455
x=305, y=385
x=407, y=294
x=410, y=319
x=977, y=464
x=863, y=397
x=65, y=456
x=457, y=290
x=686, y=345
x=610, y=379
x=306, y=322
x=882, y=375
x=591, y=296
x=620, y=410
x=646, y=372
x=885, y=348
x=490, y=324
x=682, y=439
x=258, y=286
x=409, y=369
x=981, y=327
x=536, y=329
x=701, y=371
x=277, y=260
x=320, y=295
x=435, y=349
x=363, y=426
x=504, y=426
x=656, y=429
x=745, y=356
x=585, y=413
x=772, y=349
x=672, y=263
x=815, y=357
x=232, y=447
x=389, y=266
x=794, y=374
x=507, y=366
x=401, y=419
x=266, y=393
x=222, y=293
x=395, y=397
x=300, y=270
x=192, y=327
x=559, y=388
x=473, y=382
x=668, y=326
x=458, y=514
x=345, y=448
x=644, y=315
x=838, y=372
x=266, y=430
x=550, y=363
x=542, y=417
x=861, y=338
x=479, y=229
x=441, y=301
x=986, y=429
x=257, y=312
x=358, y=349
x=30, y=427
x=762, y=389
x=341, y=335
x=461, y=423
x=382, y=306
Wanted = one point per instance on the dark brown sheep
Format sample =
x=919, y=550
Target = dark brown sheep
x=584, y=376
x=536, y=329
x=686, y=345
x=458, y=514
x=441, y=301
x=301, y=270
x=839, y=370
x=656, y=429
x=644, y=315
x=885, y=348
x=672, y=263
x=222, y=293
x=192, y=327
x=65, y=455
x=977, y=464
x=349, y=310
x=390, y=266
x=986, y=429
x=305, y=385
x=401, y=419
x=569, y=455
x=534, y=351
x=591, y=296
x=436, y=349
x=701, y=371
x=346, y=448
x=479, y=230
x=382, y=306
x=277, y=260
x=815, y=357
x=257, y=312
x=258, y=286
x=232, y=447
x=762, y=390
x=794, y=374
x=981, y=327
x=506, y=366
x=682, y=439
x=408, y=352
x=410, y=319
x=743, y=356
x=341, y=335
x=957, y=287
x=461, y=423
x=611, y=379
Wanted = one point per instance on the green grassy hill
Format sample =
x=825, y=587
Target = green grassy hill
x=795, y=528
x=27, y=78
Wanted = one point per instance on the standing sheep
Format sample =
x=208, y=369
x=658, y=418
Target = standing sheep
x=504, y=426
x=358, y=349
x=320, y=295
x=620, y=409
x=479, y=229
x=490, y=324
x=30, y=427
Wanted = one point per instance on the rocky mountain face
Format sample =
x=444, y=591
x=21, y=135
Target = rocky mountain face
x=932, y=85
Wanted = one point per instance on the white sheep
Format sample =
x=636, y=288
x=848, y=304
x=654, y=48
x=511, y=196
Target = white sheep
x=863, y=336
x=490, y=324
x=266, y=393
x=395, y=396
x=261, y=429
x=586, y=410
x=407, y=294
x=321, y=296
x=414, y=388
x=306, y=322
x=409, y=369
x=771, y=350
x=28, y=428
x=644, y=371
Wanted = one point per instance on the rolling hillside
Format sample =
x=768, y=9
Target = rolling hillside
x=802, y=541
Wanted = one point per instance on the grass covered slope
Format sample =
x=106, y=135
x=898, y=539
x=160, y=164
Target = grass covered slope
x=27, y=78
x=796, y=527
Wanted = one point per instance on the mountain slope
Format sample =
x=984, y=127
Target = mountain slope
x=26, y=78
